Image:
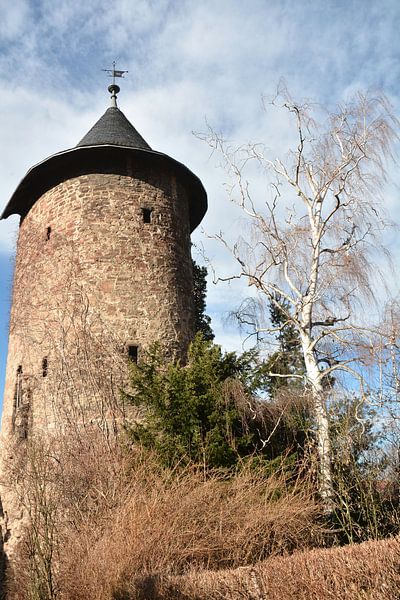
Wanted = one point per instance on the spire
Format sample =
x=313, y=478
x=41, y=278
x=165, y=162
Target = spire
x=112, y=145
x=113, y=128
x=113, y=88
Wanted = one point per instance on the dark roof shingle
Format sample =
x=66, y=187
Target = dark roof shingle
x=115, y=129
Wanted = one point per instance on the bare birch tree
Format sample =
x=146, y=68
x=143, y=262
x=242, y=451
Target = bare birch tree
x=311, y=240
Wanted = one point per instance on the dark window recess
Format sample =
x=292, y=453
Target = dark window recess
x=133, y=353
x=146, y=212
x=45, y=366
x=23, y=422
x=18, y=389
x=48, y=234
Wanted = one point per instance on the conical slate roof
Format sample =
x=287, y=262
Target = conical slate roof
x=114, y=128
x=111, y=146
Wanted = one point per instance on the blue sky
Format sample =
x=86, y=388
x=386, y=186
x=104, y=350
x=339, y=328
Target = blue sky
x=188, y=61
x=6, y=270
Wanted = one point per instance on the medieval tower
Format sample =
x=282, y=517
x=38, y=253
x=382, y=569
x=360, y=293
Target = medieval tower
x=103, y=269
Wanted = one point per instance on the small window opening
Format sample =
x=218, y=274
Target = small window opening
x=146, y=212
x=23, y=421
x=45, y=366
x=18, y=388
x=48, y=234
x=133, y=353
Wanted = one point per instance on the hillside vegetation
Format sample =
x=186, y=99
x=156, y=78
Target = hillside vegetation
x=370, y=570
x=209, y=479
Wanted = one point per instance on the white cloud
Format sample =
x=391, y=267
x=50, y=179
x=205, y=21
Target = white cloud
x=15, y=16
x=187, y=61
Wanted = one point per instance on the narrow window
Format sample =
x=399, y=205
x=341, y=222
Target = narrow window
x=23, y=425
x=146, y=212
x=45, y=366
x=48, y=234
x=133, y=353
x=18, y=388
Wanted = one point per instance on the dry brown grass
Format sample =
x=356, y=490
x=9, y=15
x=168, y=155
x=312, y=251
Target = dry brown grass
x=368, y=571
x=102, y=520
x=104, y=524
x=168, y=525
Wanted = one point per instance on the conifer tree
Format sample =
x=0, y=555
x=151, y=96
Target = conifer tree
x=202, y=321
x=198, y=413
x=287, y=359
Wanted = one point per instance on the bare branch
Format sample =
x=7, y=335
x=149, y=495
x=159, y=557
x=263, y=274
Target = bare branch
x=310, y=248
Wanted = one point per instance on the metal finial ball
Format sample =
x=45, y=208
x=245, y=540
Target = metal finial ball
x=114, y=89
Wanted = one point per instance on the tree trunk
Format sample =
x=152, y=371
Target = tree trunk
x=322, y=424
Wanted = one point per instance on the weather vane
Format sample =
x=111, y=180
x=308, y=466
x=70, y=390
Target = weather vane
x=113, y=88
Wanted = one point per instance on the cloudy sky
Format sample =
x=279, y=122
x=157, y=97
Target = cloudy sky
x=189, y=62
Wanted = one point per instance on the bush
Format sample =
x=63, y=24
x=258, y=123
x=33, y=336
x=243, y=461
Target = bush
x=173, y=524
x=369, y=571
x=206, y=412
x=120, y=516
x=366, y=500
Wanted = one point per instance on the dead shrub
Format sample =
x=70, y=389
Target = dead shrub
x=169, y=525
x=106, y=517
x=59, y=483
x=367, y=571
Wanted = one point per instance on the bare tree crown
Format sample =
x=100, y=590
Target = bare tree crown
x=310, y=243
x=313, y=238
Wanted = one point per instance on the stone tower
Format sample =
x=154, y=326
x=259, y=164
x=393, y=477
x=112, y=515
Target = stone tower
x=103, y=269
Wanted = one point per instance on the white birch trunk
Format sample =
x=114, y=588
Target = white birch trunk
x=322, y=422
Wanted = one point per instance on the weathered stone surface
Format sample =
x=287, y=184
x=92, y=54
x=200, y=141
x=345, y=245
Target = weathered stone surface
x=91, y=279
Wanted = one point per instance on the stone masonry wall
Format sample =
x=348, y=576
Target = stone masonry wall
x=91, y=278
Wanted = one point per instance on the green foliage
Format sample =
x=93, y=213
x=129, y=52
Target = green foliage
x=207, y=412
x=286, y=394
x=288, y=359
x=366, y=502
x=202, y=321
x=194, y=413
